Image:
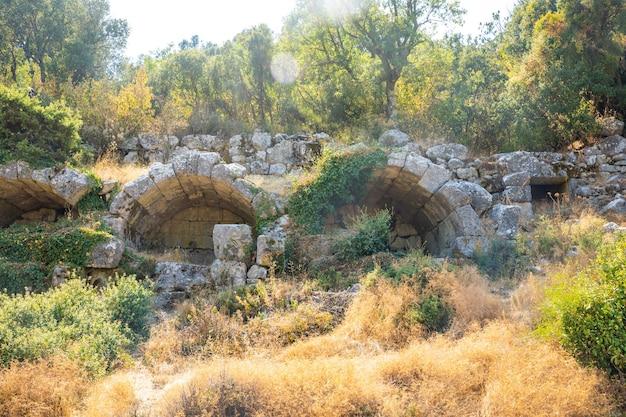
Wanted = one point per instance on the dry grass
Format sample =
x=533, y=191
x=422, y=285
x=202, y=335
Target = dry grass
x=47, y=388
x=108, y=167
x=112, y=397
x=497, y=371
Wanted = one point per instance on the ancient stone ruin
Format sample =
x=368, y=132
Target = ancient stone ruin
x=196, y=199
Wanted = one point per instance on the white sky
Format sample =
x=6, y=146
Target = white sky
x=156, y=23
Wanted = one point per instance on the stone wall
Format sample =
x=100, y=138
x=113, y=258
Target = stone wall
x=260, y=153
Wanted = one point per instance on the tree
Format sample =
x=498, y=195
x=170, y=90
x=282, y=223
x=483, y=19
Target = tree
x=390, y=29
x=73, y=39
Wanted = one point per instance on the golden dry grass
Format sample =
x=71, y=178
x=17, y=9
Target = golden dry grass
x=496, y=371
x=47, y=388
x=112, y=397
x=108, y=167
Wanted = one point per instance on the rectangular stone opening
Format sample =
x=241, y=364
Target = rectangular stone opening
x=548, y=189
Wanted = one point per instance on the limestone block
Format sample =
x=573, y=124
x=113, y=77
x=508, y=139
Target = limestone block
x=233, y=242
x=447, y=151
x=394, y=138
x=106, y=255
x=228, y=274
x=71, y=185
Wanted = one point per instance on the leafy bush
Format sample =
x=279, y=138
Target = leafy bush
x=501, y=259
x=340, y=179
x=372, y=236
x=15, y=277
x=587, y=312
x=74, y=319
x=414, y=268
x=92, y=201
x=42, y=136
x=433, y=313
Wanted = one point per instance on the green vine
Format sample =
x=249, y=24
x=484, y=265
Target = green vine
x=340, y=179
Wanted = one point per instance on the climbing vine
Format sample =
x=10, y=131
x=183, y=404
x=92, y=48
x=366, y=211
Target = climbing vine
x=338, y=179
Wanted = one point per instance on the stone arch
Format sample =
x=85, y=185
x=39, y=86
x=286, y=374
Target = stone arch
x=183, y=200
x=42, y=194
x=445, y=212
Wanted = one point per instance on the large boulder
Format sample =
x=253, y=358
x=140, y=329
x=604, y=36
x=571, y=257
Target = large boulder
x=480, y=198
x=107, y=255
x=612, y=145
x=447, y=151
x=281, y=153
x=394, y=138
x=617, y=207
x=506, y=219
x=176, y=281
x=261, y=140
x=233, y=242
x=521, y=161
x=71, y=185
x=202, y=143
x=229, y=274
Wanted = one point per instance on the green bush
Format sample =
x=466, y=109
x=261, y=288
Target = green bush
x=341, y=179
x=42, y=136
x=16, y=277
x=39, y=248
x=414, y=268
x=372, y=236
x=92, y=201
x=433, y=313
x=501, y=259
x=587, y=312
x=74, y=319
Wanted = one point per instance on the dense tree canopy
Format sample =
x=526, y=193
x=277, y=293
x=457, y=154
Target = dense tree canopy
x=538, y=79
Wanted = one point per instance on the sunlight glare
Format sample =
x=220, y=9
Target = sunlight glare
x=284, y=68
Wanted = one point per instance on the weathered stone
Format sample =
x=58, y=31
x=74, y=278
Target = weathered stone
x=229, y=274
x=106, y=255
x=116, y=224
x=108, y=186
x=434, y=178
x=394, y=138
x=467, y=173
x=176, y=281
x=256, y=273
x=447, y=151
x=228, y=172
x=616, y=207
x=415, y=164
x=278, y=169
x=517, y=194
x=611, y=126
x=201, y=142
x=150, y=142
x=206, y=162
x=269, y=248
x=130, y=144
x=281, y=153
x=517, y=179
x=480, y=199
x=525, y=162
x=233, y=242
x=261, y=140
x=612, y=145
x=454, y=164
x=60, y=274
x=71, y=185
x=506, y=220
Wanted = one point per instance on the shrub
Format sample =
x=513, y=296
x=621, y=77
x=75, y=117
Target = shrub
x=414, y=268
x=73, y=319
x=36, y=249
x=501, y=259
x=92, y=201
x=587, y=312
x=42, y=136
x=339, y=179
x=372, y=236
x=16, y=277
x=128, y=301
x=432, y=312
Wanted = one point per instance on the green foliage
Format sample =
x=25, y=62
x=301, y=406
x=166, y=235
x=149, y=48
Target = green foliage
x=75, y=320
x=333, y=280
x=128, y=301
x=414, y=268
x=16, y=277
x=432, y=312
x=587, y=312
x=42, y=136
x=340, y=180
x=501, y=258
x=41, y=247
x=371, y=236
x=92, y=201
x=50, y=244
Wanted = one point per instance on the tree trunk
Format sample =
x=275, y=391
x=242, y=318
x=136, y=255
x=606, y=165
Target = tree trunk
x=390, y=93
